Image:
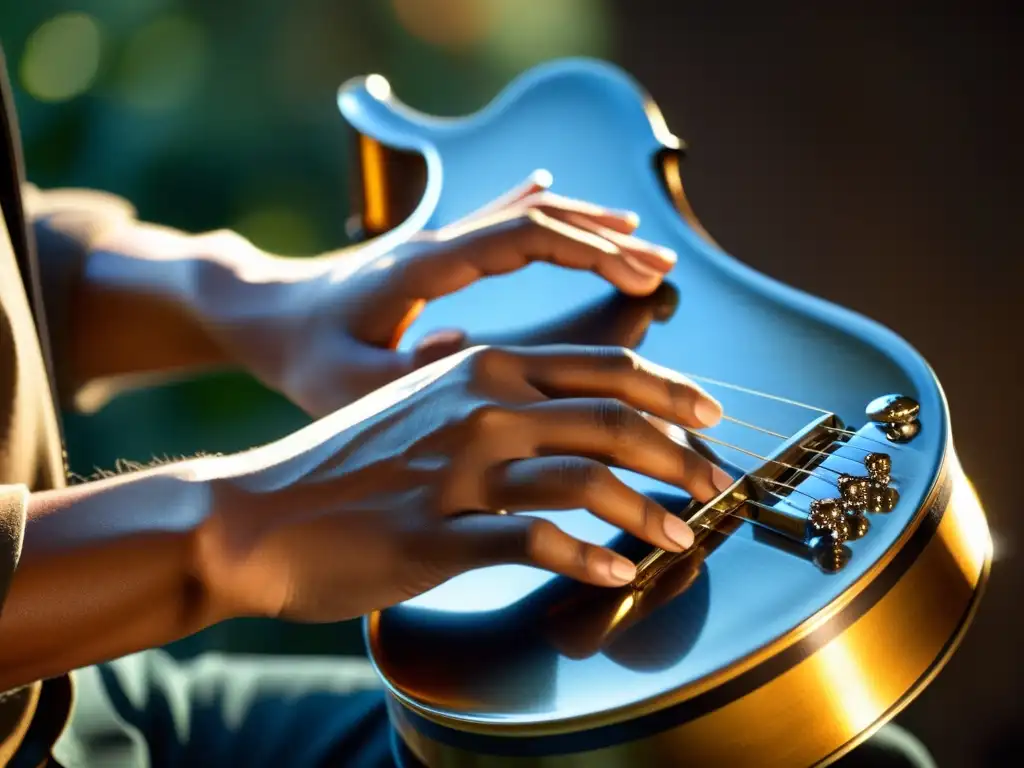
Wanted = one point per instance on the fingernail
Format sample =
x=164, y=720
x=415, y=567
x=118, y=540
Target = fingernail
x=667, y=255
x=708, y=411
x=542, y=178
x=678, y=531
x=632, y=217
x=622, y=570
x=721, y=479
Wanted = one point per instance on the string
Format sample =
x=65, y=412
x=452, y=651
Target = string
x=748, y=425
x=764, y=430
x=755, y=392
x=793, y=488
x=788, y=401
x=758, y=456
x=865, y=437
x=757, y=428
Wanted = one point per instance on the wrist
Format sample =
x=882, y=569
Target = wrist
x=229, y=558
x=111, y=561
x=252, y=305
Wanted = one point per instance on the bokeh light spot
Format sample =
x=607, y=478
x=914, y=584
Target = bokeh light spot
x=163, y=63
x=61, y=58
x=451, y=24
x=528, y=32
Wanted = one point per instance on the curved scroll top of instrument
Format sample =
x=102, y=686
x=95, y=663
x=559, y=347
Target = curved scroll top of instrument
x=776, y=497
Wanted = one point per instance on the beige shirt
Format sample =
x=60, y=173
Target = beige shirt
x=30, y=452
x=62, y=224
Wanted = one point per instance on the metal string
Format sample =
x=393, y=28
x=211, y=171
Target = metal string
x=777, y=398
x=724, y=444
x=755, y=392
x=865, y=437
x=755, y=427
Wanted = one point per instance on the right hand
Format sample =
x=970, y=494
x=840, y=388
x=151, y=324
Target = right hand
x=398, y=492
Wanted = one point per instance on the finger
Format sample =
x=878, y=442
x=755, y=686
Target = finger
x=477, y=541
x=579, y=212
x=535, y=183
x=571, y=482
x=616, y=372
x=514, y=242
x=617, y=434
x=444, y=267
x=639, y=254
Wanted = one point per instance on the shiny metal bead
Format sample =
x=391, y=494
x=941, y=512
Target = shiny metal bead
x=892, y=409
x=879, y=467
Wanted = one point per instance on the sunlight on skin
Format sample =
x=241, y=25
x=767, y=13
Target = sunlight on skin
x=283, y=462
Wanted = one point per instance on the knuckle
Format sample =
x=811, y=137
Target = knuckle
x=584, y=556
x=484, y=418
x=647, y=517
x=620, y=360
x=538, y=536
x=581, y=474
x=616, y=417
x=485, y=361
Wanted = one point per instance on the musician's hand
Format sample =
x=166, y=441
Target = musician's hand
x=330, y=337
x=398, y=492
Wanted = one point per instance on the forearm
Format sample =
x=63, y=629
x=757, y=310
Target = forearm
x=128, y=300
x=143, y=305
x=107, y=568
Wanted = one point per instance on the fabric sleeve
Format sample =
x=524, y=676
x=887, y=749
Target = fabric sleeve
x=65, y=223
x=13, y=510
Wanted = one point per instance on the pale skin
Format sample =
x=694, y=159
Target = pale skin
x=394, y=488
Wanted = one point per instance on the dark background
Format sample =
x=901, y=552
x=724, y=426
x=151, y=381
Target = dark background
x=870, y=155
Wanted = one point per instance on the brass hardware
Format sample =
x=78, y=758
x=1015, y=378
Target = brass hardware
x=902, y=433
x=882, y=499
x=892, y=409
x=829, y=517
x=879, y=466
x=761, y=497
x=754, y=498
x=859, y=525
x=854, y=492
x=896, y=415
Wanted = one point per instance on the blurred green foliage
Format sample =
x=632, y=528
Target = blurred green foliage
x=222, y=114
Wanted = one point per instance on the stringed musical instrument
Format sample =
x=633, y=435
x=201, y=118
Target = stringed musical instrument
x=826, y=587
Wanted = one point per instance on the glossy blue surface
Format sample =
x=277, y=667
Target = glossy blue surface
x=593, y=128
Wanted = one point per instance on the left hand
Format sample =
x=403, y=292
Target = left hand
x=328, y=336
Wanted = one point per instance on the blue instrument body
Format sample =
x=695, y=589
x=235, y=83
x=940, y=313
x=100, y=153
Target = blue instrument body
x=598, y=132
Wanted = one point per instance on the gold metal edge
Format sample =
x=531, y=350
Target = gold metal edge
x=375, y=199
x=697, y=687
x=841, y=714
x=926, y=680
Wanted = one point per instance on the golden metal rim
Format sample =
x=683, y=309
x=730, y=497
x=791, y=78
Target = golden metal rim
x=940, y=663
